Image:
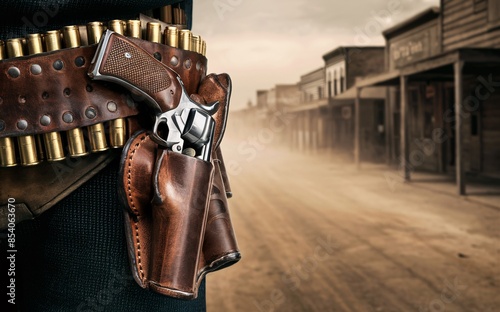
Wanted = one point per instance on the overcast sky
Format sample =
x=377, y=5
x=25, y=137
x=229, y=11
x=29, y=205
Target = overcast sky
x=261, y=43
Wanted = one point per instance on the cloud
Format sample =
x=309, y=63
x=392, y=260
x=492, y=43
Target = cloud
x=262, y=43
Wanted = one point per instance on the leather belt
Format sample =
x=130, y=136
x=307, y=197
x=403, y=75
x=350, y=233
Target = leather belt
x=51, y=93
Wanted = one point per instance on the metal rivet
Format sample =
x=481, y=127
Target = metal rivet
x=90, y=113
x=45, y=120
x=45, y=95
x=36, y=69
x=14, y=72
x=157, y=56
x=89, y=88
x=67, y=92
x=68, y=117
x=58, y=65
x=21, y=99
x=22, y=124
x=187, y=64
x=80, y=61
x=2, y=125
x=174, y=61
x=112, y=107
x=128, y=55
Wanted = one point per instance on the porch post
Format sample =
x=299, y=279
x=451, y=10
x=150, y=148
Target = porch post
x=357, y=121
x=388, y=127
x=459, y=154
x=405, y=150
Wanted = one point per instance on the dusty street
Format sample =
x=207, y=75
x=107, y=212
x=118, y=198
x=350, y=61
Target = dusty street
x=317, y=235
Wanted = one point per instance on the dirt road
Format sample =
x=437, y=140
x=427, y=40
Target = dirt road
x=317, y=235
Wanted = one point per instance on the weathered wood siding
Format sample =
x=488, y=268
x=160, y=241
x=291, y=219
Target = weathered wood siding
x=465, y=24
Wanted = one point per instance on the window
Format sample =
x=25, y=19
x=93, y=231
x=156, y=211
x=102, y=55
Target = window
x=335, y=83
x=342, y=83
x=320, y=93
x=494, y=13
x=474, y=124
x=329, y=85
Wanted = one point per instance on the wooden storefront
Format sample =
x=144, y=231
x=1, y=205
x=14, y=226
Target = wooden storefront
x=443, y=70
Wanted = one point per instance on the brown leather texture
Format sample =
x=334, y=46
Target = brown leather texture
x=216, y=88
x=220, y=248
x=152, y=264
x=181, y=187
x=61, y=89
x=223, y=170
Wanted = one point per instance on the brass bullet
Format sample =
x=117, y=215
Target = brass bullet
x=7, y=148
x=118, y=26
x=26, y=144
x=153, y=32
x=166, y=13
x=7, y=153
x=117, y=134
x=71, y=36
x=97, y=138
x=76, y=142
x=52, y=40
x=195, y=43
x=52, y=141
x=134, y=29
x=53, y=146
x=185, y=39
x=172, y=37
x=94, y=32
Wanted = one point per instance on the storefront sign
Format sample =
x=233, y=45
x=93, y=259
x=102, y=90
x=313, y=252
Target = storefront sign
x=410, y=49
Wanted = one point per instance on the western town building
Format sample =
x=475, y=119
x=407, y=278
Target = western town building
x=429, y=100
x=442, y=69
x=324, y=118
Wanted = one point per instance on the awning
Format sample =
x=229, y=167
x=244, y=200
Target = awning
x=439, y=67
x=312, y=106
x=368, y=93
x=390, y=78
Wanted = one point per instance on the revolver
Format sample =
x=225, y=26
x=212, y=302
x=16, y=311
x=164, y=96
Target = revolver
x=181, y=124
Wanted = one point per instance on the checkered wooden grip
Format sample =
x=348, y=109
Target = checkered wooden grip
x=126, y=61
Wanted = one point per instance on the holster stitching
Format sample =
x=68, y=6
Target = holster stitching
x=131, y=202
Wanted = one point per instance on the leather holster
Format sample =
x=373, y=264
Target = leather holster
x=177, y=220
x=177, y=223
